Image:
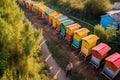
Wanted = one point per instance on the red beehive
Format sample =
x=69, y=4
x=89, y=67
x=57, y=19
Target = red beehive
x=100, y=51
x=113, y=62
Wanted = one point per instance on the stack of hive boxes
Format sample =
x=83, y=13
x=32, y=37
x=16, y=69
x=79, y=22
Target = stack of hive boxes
x=27, y=4
x=36, y=8
x=54, y=19
x=42, y=10
x=50, y=17
x=88, y=43
x=47, y=12
x=70, y=31
x=99, y=52
x=33, y=6
x=64, y=25
x=31, y=3
x=78, y=35
x=112, y=66
x=59, y=21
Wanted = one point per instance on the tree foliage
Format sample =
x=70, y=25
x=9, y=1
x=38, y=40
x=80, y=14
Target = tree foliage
x=96, y=8
x=85, y=8
x=105, y=35
x=100, y=32
x=115, y=43
x=19, y=46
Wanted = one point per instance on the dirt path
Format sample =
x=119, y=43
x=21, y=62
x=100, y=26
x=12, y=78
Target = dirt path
x=59, y=74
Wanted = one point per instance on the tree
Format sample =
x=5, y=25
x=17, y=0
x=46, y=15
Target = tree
x=115, y=43
x=110, y=33
x=100, y=32
x=19, y=46
x=96, y=8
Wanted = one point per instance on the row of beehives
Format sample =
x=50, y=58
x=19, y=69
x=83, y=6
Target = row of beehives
x=80, y=39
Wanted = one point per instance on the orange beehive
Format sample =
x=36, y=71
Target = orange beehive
x=100, y=51
x=112, y=66
x=113, y=61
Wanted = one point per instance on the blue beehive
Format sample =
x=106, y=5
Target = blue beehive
x=112, y=18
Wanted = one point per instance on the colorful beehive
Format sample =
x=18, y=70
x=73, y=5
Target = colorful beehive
x=88, y=43
x=99, y=52
x=64, y=25
x=31, y=5
x=112, y=66
x=47, y=12
x=42, y=10
x=59, y=21
x=50, y=17
x=54, y=19
x=70, y=31
x=36, y=7
x=26, y=3
x=78, y=35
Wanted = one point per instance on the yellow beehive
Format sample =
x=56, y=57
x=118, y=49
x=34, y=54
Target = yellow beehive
x=36, y=6
x=81, y=33
x=52, y=14
x=89, y=41
x=54, y=19
x=85, y=52
x=71, y=28
x=43, y=8
x=29, y=4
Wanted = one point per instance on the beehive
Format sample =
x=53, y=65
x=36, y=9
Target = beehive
x=112, y=66
x=36, y=7
x=79, y=34
x=50, y=17
x=59, y=21
x=47, y=12
x=99, y=52
x=42, y=10
x=64, y=25
x=55, y=18
x=85, y=52
x=76, y=43
x=89, y=41
x=71, y=28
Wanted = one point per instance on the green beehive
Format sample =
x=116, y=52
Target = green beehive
x=64, y=24
x=76, y=43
